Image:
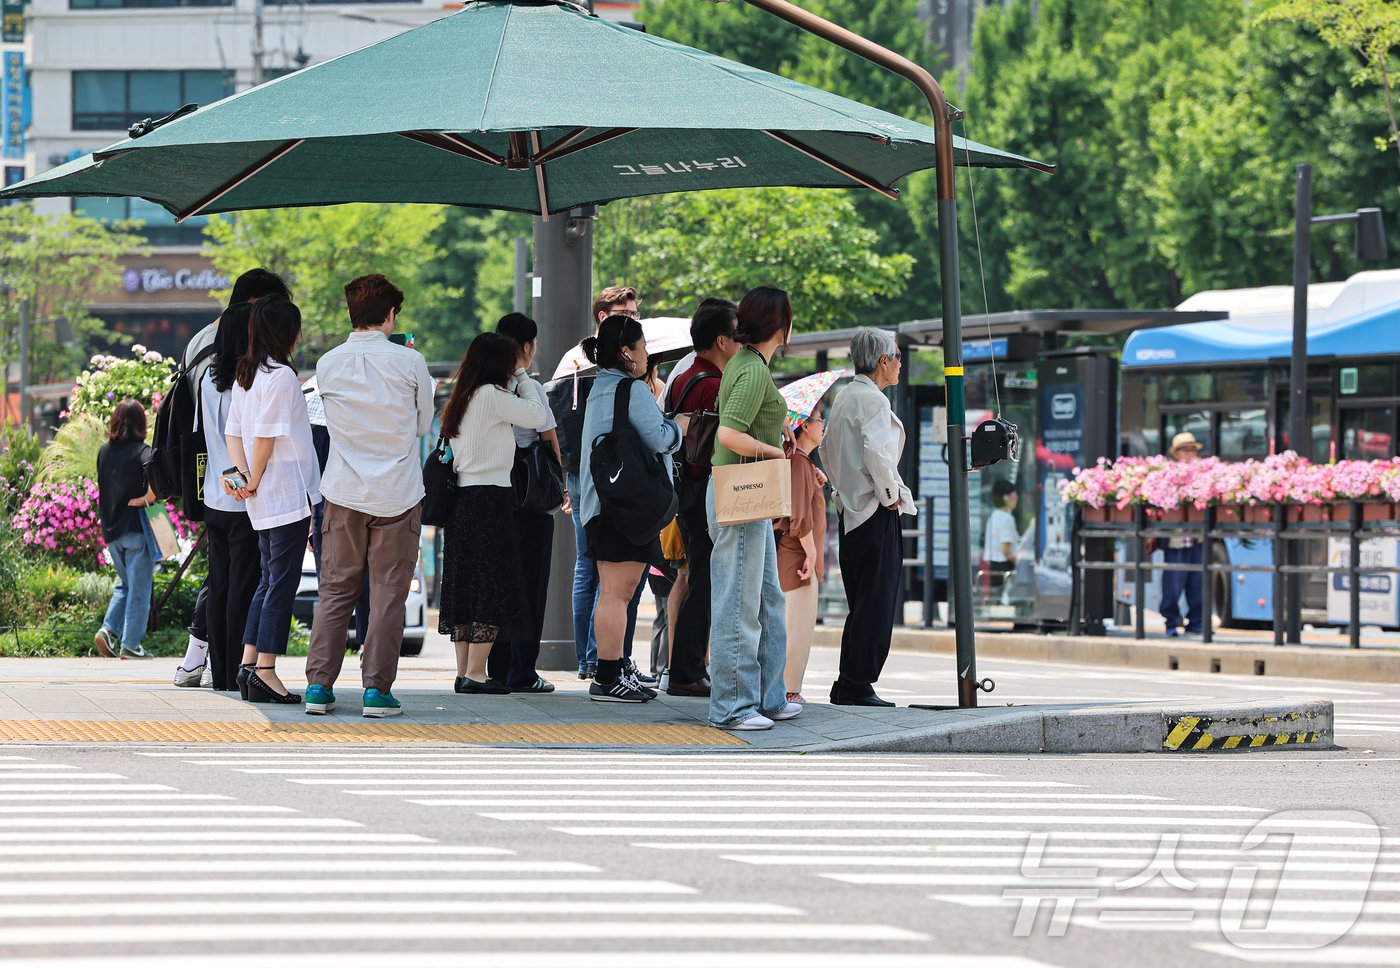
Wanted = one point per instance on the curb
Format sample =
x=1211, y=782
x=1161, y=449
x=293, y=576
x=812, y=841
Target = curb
x=1130, y=728
x=1227, y=658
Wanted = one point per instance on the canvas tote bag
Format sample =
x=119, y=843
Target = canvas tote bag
x=759, y=490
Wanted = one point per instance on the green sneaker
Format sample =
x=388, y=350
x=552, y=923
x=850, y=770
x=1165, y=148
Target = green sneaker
x=380, y=705
x=319, y=700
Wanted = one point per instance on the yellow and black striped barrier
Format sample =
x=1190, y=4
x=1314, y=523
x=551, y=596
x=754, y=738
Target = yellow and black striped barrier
x=1192, y=733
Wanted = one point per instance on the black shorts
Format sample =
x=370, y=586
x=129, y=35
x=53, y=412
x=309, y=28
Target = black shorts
x=606, y=543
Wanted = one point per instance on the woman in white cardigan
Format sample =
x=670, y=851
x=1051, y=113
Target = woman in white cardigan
x=483, y=592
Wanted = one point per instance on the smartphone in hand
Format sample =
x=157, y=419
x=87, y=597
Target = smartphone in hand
x=233, y=477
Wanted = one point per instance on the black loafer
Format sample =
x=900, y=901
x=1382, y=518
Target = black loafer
x=699, y=689
x=840, y=699
x=488, y=688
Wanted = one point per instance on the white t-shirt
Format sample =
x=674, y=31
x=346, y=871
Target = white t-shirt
x=275, y=408
x=1001, y=529
x=216, y=408
x=524, y=436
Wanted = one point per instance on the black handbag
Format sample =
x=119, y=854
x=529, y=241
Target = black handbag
x=633, y=482
x=439, y=486
x=537, y=479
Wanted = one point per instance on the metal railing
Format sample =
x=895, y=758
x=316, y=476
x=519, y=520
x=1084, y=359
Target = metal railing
x=1280, y=525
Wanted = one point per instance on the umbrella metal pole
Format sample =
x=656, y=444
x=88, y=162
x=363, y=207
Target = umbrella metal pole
x=959, y=554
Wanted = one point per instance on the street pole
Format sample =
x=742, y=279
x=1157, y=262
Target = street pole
x=24, y=323
x=1299, y=432
x=563, y=280
x=258, y=73
x=959, y=548
x=522, y=275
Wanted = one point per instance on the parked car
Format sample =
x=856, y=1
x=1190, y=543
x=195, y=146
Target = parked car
x=415, y=621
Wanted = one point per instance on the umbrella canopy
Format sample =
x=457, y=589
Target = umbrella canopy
x=528, y=105
x=668, y=338
x=802, y=395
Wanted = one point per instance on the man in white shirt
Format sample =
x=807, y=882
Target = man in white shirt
x=378, y=400
x=864, y=441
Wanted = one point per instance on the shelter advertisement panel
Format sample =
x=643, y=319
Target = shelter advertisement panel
x=14, y=104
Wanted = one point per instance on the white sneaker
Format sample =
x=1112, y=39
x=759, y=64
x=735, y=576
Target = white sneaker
x=188, y=678
x=751, y=724
x=790, y=710
x=206, y=681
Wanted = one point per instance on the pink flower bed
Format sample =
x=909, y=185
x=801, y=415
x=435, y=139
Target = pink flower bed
x=63, y=519
x=1285, y=478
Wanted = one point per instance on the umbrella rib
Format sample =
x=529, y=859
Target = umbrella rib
x=248, y=173
x=817, y=156
x=454, y=144
x=539, y=177
x=562, y=149
x=567, y=139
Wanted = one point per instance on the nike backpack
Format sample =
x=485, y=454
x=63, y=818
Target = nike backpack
x=633, y=482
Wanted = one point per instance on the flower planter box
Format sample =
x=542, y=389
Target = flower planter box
x=1229, y=514
x=1179, y=515
x=1379, y=511
x=1105, y=515
x=1304, y=513
x=1258, y=513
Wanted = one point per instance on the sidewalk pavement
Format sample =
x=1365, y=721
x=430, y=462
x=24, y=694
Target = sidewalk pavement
x=105, y=700
x=1234, y=652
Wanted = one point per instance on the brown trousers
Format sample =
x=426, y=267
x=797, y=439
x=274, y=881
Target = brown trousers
x=352, y=541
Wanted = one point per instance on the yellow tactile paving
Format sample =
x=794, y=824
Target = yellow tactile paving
x=573, y=734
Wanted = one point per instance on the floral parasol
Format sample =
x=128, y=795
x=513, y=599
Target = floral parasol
x=802, y=395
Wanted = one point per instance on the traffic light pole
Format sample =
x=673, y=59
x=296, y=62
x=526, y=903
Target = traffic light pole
x=959, y=553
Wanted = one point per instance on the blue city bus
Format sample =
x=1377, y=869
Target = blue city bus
x=1228, y=383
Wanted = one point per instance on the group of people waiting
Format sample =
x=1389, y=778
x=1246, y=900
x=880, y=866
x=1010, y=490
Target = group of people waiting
x=745, y=606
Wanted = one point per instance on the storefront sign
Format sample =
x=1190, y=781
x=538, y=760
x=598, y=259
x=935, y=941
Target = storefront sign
x=14, y=22
x=13, y=96
x=160, y=279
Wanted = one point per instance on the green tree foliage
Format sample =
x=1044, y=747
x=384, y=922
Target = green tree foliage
x=59, y=263
x=682, y=248
x=319, y=250
x=1369, y=29
x=478, y=258
x=745, y=34
x=1175, y=129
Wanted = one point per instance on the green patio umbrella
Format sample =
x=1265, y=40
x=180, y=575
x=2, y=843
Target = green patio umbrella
x=529, y=105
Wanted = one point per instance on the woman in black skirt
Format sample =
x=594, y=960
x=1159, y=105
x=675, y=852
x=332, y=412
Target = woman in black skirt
x=483, y=592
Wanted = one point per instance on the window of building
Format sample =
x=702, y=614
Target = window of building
x=113, y=100
x=132, y=4
x=156, y=224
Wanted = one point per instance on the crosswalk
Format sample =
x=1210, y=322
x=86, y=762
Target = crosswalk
x=101, y=869
x=1048, y=858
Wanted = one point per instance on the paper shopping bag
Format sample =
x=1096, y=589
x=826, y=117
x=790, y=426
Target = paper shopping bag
x=161, y=539
x=755, y=491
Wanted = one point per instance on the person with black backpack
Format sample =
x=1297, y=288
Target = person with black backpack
x=695, y=393
x=627, y=495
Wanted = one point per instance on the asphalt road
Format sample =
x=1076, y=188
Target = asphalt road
x=310, y=856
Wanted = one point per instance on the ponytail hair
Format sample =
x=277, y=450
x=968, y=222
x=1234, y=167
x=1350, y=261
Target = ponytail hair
x=273, y=329
x=614, y=334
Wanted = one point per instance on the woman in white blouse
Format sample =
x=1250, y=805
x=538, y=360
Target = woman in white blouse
x=269, y=443
x=483, y=591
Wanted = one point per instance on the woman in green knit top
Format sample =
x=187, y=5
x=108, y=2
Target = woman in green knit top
x=748, y=628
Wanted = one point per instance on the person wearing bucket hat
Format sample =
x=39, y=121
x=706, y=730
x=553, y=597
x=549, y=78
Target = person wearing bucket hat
x=1182, y=551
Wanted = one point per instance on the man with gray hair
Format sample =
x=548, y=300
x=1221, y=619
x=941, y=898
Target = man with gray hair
x=864, y=441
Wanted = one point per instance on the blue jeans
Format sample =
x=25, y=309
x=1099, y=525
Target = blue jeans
x=131, y=599
x=280, y=550
x=748, y=621
x=1176, y=582
x=586, y=587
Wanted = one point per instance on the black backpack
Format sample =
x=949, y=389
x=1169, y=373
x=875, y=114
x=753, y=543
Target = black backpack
x=633, y=482
x=176, y=466
x=568, y=399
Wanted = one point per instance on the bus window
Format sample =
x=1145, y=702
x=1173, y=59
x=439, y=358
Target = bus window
x=1241, y=386
x=1368, y=433
x=1187, y=388
x=1366, y=380
x=1195, y=421
x=1244, y=434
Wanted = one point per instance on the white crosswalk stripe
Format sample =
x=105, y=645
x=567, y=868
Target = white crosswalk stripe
x=115, y=883
x=1113, y=863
